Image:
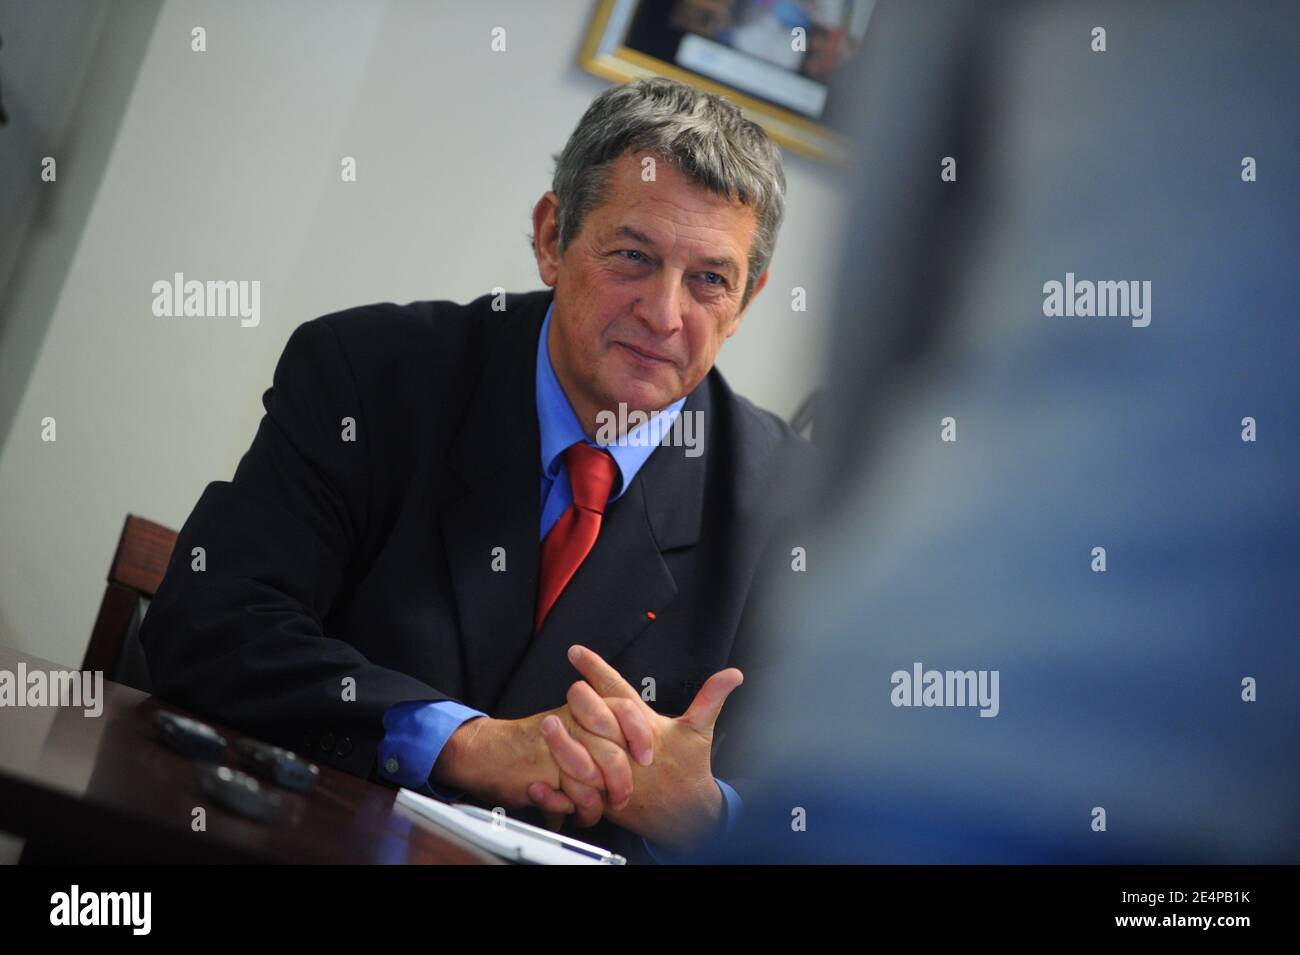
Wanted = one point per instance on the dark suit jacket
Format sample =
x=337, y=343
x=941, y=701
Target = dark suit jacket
x=373, y=558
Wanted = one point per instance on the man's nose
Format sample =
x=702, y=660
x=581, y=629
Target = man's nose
x=661, y=308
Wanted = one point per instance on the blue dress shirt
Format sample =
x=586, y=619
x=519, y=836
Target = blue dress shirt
x=415, y=732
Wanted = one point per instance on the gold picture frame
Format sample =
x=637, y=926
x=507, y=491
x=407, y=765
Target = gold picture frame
x=606, y=54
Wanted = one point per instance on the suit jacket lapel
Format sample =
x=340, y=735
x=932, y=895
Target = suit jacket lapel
x=497, y=454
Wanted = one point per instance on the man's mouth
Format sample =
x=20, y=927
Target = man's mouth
x=645, y=357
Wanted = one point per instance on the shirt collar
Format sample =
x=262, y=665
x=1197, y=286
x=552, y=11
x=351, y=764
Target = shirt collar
x=560, y=428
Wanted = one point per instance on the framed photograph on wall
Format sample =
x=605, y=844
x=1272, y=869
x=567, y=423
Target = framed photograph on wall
x=778, y=60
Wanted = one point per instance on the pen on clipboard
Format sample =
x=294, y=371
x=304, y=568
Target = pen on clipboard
x=574, y=845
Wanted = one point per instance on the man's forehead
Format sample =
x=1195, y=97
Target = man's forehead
x=635, y=170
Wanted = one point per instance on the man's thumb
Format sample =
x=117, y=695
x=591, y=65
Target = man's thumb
x=704, y=709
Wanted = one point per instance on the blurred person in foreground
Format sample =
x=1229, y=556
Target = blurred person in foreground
x=1083, y=525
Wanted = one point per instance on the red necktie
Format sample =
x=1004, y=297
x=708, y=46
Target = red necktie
x=570, y=540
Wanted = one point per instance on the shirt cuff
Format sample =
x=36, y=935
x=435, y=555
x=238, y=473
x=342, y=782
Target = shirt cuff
x=414, y=735
x=731, y=808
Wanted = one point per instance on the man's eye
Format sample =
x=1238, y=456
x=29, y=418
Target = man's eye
x=636, y=252
x=720, y=279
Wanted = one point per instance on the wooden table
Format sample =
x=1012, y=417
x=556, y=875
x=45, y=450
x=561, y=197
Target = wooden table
x=105, y=789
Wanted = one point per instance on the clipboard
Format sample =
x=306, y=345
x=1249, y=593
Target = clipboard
x=502, y=836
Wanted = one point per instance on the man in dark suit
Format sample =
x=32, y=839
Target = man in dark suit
x=382, y=586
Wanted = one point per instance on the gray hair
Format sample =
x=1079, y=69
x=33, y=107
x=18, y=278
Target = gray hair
x=700, y=133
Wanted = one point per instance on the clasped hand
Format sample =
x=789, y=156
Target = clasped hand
x=605, y=753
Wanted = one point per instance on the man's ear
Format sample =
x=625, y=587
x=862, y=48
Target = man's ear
x=546, y=238
x=758, y=287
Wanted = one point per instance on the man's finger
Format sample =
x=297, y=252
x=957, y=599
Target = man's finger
x=590, y=803
x=604, y=679
x=593, y=713
x=570, y=755
x=554, y=805
x=617, y=719
x=613, y=771
x=635, y=720
x=614, y=767
x=704, y=709
x=585, y=817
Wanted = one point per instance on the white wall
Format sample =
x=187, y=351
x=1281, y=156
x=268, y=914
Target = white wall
x=226, y=166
